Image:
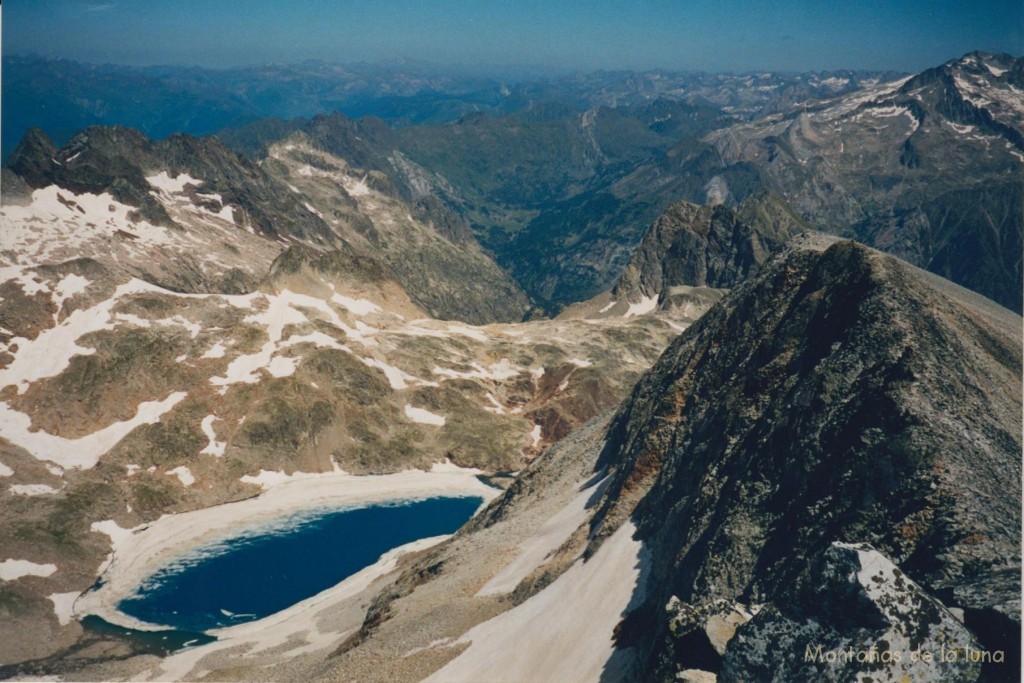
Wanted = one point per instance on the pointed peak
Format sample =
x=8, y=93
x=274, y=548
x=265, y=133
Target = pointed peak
x=33, y=158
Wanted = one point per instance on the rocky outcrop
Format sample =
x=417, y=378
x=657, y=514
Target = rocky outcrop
x=837, y=396
x=855, y=616
x=707, y=246
x=32, y=159
x=372, y=203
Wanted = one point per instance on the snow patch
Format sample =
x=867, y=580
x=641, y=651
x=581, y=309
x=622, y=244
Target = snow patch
x=495, y=406
x=502, y=370
x=356, y=188
x=644, y=306
x=213, y=447
x=995, y=70
x=193, y=328
x=29, y=282
x=86, y=451
x=963, y=130
x=115, y=531
x=356, y=306
x=398, y=379
x=215, y=351
x=266, y=479
x=451, y=468
x=176, y=185
x=318, y=339
x=64, y=606
x=282, y=366
x=12, y=570
x=70, y=285
x=33, y=490
x=226, y=214
x=5, y=471
x=131, y=319
x=555, y=531
x=183, y=474
x=423, y=416
x=576, y=614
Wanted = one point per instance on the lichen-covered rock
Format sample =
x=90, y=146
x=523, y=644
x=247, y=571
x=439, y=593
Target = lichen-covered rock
x=716, y=621
x=854, y=616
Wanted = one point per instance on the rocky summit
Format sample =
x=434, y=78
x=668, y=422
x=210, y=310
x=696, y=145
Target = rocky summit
x=815, y=405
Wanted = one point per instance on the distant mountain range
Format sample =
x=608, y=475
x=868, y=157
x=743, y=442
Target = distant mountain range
x=927, y=167
x=62, y=96
x=558, y=179
x=930, y=168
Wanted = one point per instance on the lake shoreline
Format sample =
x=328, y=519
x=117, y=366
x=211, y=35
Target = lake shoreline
x=140, y=552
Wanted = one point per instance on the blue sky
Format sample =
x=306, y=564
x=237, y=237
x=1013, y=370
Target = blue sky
x=735, y=35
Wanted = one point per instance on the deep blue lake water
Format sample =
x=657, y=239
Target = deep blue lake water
x=264, y=570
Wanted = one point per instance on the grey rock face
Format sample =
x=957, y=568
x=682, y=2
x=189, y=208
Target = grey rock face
x=707, y=246
x=837, y=395
x=428, y=248
x=118, y=160
x=854, y=616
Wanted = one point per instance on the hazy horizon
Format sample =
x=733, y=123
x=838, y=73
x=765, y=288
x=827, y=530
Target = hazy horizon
x=736, y=36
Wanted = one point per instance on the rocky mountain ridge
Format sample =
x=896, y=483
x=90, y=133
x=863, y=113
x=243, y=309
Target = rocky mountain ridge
x=184, y=191
x=816, y=371
x=708, y=246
